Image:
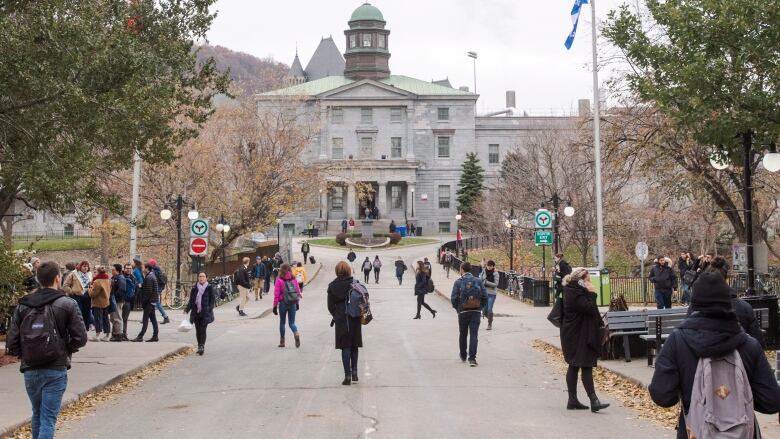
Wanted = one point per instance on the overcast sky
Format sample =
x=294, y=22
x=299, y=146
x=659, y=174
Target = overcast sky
x=519, y=42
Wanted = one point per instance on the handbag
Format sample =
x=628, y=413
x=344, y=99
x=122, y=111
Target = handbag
x=185, y=325
x=556, y=314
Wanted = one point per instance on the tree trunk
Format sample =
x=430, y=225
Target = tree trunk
x=105, y=237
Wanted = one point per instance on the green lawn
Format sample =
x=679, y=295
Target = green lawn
x=532, y=256
x=58, y=244
x=406, y=242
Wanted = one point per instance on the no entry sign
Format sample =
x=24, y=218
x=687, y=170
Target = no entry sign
x=198, y=246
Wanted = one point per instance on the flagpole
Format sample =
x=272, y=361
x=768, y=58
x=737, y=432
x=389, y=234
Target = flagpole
x=597, y=140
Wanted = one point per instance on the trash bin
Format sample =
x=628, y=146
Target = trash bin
x=401, y=230
x=418, y=231
x=600, y=281
x=769, y=302
x=541, y=292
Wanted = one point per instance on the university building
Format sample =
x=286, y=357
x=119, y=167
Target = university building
x=404, y=139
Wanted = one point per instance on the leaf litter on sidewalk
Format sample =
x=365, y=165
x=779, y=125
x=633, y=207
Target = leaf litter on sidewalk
x=629, y=393
x=89, y=403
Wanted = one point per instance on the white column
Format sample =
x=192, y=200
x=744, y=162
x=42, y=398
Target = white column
x=351, y=212
x=382, y=199
x=410, y=132
x=323, y=132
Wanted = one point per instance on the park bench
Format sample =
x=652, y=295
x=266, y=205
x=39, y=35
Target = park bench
x=659, y=327
x=632, y=323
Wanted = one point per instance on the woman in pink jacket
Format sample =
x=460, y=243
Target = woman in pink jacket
x=287, y=296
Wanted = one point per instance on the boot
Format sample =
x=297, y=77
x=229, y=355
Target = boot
x=595, y=404
x=347, y=380
x=417, y=317
x=165, y=321
x=490, y=321
x=575, y=404
x=200, y=349
x=355, y=377
x=297, y=340
x=281, y=342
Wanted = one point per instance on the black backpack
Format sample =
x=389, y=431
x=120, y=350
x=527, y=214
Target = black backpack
x=42, y=344
x=162, y=279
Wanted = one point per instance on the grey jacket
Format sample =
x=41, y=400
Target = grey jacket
x=491, y=287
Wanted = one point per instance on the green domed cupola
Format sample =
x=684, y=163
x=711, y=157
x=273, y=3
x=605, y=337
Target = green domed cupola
x=367, y=54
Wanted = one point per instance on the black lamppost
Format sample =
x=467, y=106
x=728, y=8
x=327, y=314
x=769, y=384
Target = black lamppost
x=222, y=228
x=320, y=203
x=458, y=236
x=278, y=234
x=568, y=211
x=412, y=189
x=511, y=222
x=166, y=214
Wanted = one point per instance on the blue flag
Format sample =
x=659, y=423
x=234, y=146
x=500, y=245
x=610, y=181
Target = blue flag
x=575, y=19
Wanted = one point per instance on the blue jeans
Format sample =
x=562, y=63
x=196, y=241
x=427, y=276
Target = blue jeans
x=45, y=388
x=162, y=311
x=686, y=294
x=102, y=323
x=287, y=313
x=469, y=326
x=663, y=299
x=489, y=305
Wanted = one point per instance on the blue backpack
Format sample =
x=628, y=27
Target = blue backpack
x=471, y=294
x=130, y=288
x=358, y=304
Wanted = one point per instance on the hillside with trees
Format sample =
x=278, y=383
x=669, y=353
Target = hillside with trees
x=249, y=73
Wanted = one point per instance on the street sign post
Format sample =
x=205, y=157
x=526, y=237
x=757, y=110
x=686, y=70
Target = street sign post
x=543, y=219
x=642, y=251
x=198, y=246
x=543, y=237
x=199, y=228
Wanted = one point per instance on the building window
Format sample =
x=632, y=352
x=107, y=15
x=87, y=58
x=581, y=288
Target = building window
x=444, y=227
x=395, y=115
x=444, y=197
x=380, y=41
x=366, y=115
x=366, y=146
x=395, y=147
x=337, y=116
x=443, y=147
x=337, y=148
x=366, y=40
x=493, y=154
x=443, y=114
x=337, y=198
x=352, y=40
x=68, y=230
x=395, y=197
x=290, y=114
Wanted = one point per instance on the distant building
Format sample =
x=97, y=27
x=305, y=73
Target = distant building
x=403, y=137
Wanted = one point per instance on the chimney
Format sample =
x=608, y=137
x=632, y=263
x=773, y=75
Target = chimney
x=463, y=88
x=583, y=106
x=510, y=99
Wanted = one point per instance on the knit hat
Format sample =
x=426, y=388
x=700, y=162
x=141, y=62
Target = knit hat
x=152, y=262
x=710, y=293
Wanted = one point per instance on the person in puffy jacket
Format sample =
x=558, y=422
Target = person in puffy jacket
x=400, y=269
x=665, y=282
x=421, y=289
x=100, y=294
x=149, y=298
x=712, y=330
x=284, y=308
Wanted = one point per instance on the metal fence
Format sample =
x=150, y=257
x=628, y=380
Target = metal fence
x=53, y=235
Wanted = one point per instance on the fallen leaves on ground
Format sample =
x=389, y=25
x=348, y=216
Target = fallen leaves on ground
x=7, y=359
x=87, y=404
x=629, y=393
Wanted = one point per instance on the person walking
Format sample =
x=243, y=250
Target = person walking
x=665, y=282
x=351, y=256
x=348, y=330
x=344, y=224
x=400, y=269
x=201, y=309
x=118, y=292
x=45, y=353
x=76, y=286
x=100, y=295
x=366, y=267
x=377, y=264
x=489, y=277
x=428, y=265
x=562, y=269
x=269, y=269
x=127, y=305
x=287, y=298
x=687, y=275
x=447, y=262
x=422, y=286
x=713, y=332
x=241, y=278
x=468, y=298
x=150, y=296
x=162, y=283
x=258, y=274
x=300, y=275
x=580, y=337
x=305, y=249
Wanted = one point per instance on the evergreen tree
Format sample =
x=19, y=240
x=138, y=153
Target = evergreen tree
x=470, y=183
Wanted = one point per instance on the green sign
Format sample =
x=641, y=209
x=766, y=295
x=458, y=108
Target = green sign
x=543, y=237
x=543, y=219
x=199, y=228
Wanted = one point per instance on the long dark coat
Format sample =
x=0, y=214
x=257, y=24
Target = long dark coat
x=349, y=331
x=206, y=305
x=580, y=328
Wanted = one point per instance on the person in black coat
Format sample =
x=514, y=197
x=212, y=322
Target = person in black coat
x=421, y=289
x=201, y=309
x=349, y=335
x=149, y=299
x=711, y=331
x=400, y=269
x=562, y=269
x=580, y=339
x=665, y=282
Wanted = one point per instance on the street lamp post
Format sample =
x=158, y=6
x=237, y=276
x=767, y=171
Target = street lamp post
x=166, y=214
x=223, y=227
x=320, y=203
x=511, y=222
x=458, y=236
x=473, y=55
x=278, y=234
x=412, y=202
x=568, y=211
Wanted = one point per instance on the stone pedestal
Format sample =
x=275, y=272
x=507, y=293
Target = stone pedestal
x=367, y=228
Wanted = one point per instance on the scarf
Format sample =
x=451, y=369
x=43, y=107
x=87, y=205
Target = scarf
x=84, y=278
x=199, y=297
x=490, y=275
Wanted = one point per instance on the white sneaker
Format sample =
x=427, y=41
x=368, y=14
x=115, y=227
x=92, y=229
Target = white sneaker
x=93, y=338
x=104, y=337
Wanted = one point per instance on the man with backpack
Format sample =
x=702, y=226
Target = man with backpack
x=45, y=330
x=709, y=354
x=150, y=297
x=162, y=282
x=468, y=298
x=117, y=301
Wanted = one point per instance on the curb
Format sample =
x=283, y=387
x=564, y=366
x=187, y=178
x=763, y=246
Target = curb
x=9, y=431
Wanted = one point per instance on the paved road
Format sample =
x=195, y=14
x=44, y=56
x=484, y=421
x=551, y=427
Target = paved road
x=412, y=383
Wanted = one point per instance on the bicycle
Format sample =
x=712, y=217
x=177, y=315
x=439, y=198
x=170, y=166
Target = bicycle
x=514, y=286
x=223, y=289
x=176, y=301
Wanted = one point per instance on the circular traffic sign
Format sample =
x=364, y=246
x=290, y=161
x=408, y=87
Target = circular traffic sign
x=198, y=246
x=543, y=219
x=641, y=250
x=199, y=227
